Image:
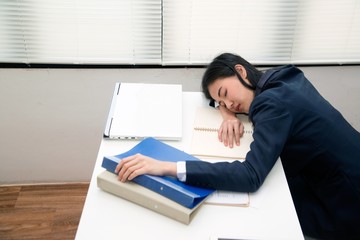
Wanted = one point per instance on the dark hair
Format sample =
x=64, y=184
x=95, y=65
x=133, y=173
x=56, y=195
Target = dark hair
x=224, y=66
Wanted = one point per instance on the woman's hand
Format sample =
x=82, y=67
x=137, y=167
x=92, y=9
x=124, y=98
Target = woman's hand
x=231, y=129
x=138, y=164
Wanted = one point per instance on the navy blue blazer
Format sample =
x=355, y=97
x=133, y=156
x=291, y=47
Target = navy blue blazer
x=319, y=150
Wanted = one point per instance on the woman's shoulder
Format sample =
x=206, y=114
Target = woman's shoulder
x=267, y=103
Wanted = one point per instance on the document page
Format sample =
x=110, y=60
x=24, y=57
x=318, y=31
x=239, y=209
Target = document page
x=229, y=198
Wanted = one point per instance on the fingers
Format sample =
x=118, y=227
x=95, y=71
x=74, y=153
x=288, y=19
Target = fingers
x=225, y=134
x=230, y=132
x=130, y=167
x=138, y=164
x=238, y=132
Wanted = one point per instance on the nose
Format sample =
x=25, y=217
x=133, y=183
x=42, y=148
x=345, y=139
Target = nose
x=229, y=104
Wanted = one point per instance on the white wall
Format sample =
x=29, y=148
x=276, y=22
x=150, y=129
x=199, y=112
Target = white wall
x=51, y=120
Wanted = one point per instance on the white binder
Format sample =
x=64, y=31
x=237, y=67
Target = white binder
x=157, y=113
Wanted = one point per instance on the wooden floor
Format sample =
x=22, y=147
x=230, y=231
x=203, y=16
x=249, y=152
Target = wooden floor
x=41, y=211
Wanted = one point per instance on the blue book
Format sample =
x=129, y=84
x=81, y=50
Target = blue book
x=186, y=195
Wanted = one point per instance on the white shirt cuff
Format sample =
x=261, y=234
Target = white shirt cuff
x=181, y=170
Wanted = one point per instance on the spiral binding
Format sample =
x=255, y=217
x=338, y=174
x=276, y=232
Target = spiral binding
x=205, y=129
x=215, y=130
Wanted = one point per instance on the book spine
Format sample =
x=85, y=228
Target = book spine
x=109, y=163
x=143, y=198
x=165, y=190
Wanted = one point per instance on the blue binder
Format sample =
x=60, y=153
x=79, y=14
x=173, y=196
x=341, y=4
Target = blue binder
x=171, y=188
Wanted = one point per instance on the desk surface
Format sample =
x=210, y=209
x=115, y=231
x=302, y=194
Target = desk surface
x=271, y=214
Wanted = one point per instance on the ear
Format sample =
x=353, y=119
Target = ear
x=241, y=70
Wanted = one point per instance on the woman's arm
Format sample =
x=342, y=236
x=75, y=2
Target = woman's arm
x=231, y=129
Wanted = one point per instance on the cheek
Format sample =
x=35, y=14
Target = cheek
x=237, y=96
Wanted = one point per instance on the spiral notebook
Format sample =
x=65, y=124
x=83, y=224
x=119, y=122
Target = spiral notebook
x=205, y=145
x=205, y=141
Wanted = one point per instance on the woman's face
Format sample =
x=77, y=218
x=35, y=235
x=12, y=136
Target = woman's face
x=231, y=93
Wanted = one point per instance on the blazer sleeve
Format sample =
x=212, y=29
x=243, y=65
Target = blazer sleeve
x=272, y=124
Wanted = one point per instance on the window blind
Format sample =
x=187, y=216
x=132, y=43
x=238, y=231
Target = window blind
x=186, y=32
x=81, y=31
x=328, y=31
x=262, y=31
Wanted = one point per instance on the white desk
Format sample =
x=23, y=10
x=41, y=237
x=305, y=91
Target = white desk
x=271, y=214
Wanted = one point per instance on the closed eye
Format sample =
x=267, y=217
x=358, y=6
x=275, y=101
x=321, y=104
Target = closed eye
x=219, y=95
x=219, y=91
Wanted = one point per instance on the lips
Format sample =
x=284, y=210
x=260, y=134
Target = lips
x=238, y=108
